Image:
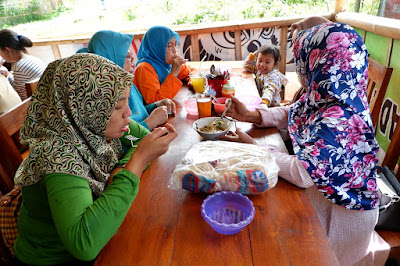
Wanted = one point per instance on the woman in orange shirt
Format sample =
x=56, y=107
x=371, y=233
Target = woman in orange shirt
x=160, y=69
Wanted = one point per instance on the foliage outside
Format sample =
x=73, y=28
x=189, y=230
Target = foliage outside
x=19, y=12
x=45, y=18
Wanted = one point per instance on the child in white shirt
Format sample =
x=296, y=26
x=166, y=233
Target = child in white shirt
x=269, y=80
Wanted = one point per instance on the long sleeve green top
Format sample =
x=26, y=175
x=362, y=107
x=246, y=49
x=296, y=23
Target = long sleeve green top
x=59, y=220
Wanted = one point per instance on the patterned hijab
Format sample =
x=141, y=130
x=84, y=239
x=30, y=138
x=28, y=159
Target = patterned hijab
x=153, y=48
x=330, y=126
x=67, y=118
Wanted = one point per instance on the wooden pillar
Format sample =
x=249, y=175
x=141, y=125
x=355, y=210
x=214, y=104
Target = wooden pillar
x=283, y=47
x=56, y=51
x=194, y=40
x=340, y=6
x=238, y=45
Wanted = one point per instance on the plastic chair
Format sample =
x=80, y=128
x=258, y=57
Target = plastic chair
x=378, y=77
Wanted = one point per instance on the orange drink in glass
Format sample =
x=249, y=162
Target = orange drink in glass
x=204, y=106
x=198, y=82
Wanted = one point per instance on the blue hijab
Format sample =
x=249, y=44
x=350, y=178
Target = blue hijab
x=114, y=46
x=153, y=48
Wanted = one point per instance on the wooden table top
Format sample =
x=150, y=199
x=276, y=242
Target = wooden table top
x=165, y=227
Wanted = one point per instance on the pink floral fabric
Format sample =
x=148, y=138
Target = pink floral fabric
x=330, y=126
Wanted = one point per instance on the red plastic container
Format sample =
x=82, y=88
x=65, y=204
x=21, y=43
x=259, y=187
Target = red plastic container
x=216, y=85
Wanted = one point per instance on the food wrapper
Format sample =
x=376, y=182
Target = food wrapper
x=212, y=166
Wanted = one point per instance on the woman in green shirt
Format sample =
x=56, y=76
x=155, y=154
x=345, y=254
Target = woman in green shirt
x=76, y=127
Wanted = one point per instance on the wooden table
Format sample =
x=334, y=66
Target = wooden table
x=165, y=227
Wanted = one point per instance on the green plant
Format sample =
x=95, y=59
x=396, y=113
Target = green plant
x=367, y=6
x=24, y=12
x=130, y=13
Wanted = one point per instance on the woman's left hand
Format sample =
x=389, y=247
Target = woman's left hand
x=170, y=104
x=238, y=136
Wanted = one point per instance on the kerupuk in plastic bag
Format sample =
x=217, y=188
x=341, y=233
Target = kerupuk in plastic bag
x=212, y=166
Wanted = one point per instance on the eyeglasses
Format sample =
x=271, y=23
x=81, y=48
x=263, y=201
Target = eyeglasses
x=129, y=56
x=171, y=46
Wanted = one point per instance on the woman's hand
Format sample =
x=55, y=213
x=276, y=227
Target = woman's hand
x=239, y=136
x=158, y=117
x=4, y=71
x=307, y=23
x=150, y=148
x=189, y=84
x=177, y=65
x=240, y=112
x=170, y=104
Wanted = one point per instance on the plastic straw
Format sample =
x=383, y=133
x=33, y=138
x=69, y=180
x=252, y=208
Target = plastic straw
x=190, y=72
x=202, y=61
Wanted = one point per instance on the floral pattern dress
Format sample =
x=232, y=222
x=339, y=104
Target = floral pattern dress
x=330, y=126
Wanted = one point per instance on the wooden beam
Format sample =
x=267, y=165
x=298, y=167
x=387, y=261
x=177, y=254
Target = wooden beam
x=238, y=45
x=194, y=40
x=56, y=51
x=283, y=47
x=187, y=30
x=340, y=6
x=382, y=26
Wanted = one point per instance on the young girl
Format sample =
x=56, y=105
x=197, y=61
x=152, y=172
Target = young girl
x=268, y=79
x=25, y=68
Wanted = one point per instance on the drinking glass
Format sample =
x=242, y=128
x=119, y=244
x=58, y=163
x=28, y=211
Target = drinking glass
x=198, y=82
x=204, y=106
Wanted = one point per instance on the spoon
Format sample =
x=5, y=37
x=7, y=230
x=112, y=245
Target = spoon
x=226, y=109
x=215, y=98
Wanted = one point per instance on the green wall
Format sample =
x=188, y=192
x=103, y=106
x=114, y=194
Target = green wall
x=378, y=46
x=390, y=111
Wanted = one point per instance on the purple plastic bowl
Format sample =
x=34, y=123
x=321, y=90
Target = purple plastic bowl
x=227, y=212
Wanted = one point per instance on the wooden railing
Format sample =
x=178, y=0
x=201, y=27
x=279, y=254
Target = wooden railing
x=389, y=28
x=381, y=26
x=282, y=24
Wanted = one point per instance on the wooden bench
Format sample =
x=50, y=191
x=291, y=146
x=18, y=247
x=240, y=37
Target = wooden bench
x=11, y=158
x=30, y=87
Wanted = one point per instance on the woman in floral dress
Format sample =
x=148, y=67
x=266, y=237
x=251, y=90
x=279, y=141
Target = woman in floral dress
x=333, y=138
